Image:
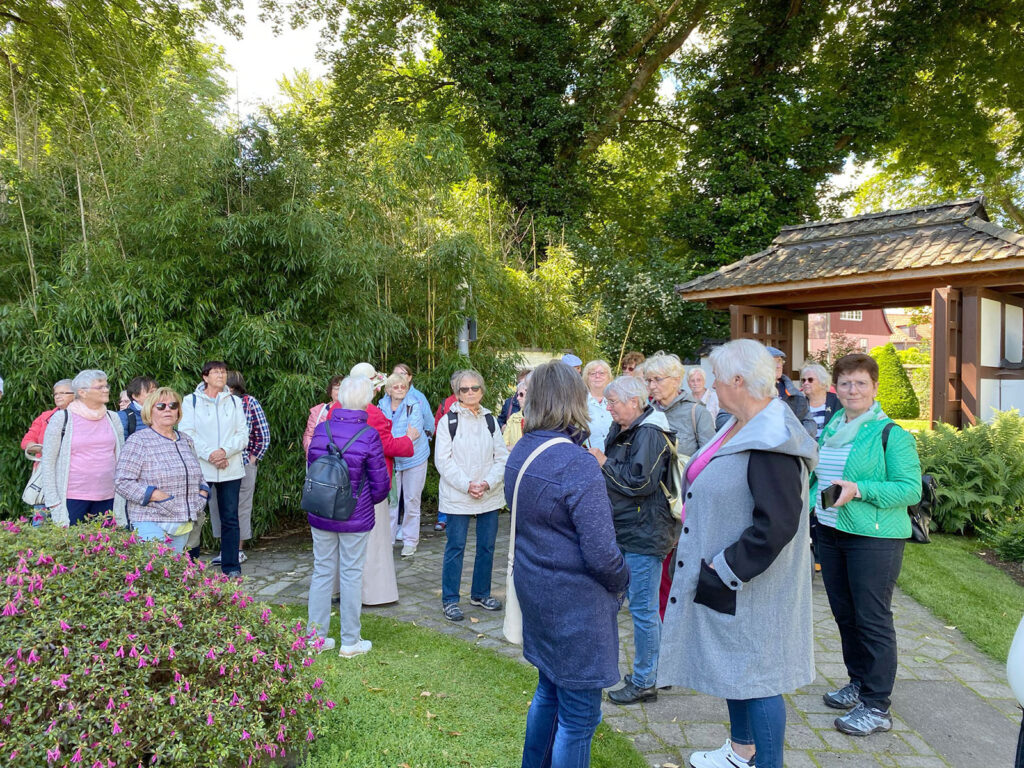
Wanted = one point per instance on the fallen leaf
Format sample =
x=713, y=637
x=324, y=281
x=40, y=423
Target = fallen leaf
x=923, y=660
x=430, y=715
x=375, y=690
x=454, y=733
x=480, y=634
x=474, y=620
x=950, y=627
x=404, y=765
x=425, y=693
x=345, y=699
x=669, y=765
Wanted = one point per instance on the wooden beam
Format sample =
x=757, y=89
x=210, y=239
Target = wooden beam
x=970, y=360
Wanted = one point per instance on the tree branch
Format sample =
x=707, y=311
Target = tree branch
x=656, y=29
x=646, y=70
x=656, y=121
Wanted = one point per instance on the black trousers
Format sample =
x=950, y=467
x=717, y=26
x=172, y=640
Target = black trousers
x=859, y=573
x=1019, y=762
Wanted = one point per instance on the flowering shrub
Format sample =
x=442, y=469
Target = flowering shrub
x=117, y=652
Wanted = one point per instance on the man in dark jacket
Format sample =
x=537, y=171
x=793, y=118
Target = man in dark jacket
x=790, y=393
x=634, y=469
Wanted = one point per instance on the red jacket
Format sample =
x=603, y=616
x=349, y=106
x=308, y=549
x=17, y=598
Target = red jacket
x=443, y=408
x=38, y=428
x=393, y=446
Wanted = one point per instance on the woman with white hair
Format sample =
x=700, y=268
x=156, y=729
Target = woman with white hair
x=404, y=411
x=822, y=404
x=596, y=376
x=80, y=451
x=738, y=624
x=339, y=546
x=638, y=455
x=470, y=457
x=689, y=419
x=702, y=393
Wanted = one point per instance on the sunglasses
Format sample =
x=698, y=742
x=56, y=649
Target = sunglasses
x=165, y=406
x=520, y=394
x=629, y=368
x=473, y=388
x=809, y=378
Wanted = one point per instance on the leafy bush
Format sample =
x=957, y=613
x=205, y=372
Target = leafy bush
x=980, y=471
x=1006, y=537
x=895, y=394
x=120, y=652
x=914, y=356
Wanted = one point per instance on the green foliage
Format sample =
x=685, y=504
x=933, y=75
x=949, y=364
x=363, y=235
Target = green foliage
x=841, y=346
x=1006, y=537
x=914, y=356
x=895, y=393
x=980, y=471
x=120, y=650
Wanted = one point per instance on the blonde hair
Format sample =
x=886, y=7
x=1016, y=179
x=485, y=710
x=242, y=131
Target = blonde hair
x=597, y=364
x=396, y=378
x=155, y=397
x=664, y=364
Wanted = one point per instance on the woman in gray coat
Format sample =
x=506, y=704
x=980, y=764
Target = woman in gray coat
x=738, y=623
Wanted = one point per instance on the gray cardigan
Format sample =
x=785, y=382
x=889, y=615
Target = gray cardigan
x=56, y=463
x=690, y=420
x=743, y=630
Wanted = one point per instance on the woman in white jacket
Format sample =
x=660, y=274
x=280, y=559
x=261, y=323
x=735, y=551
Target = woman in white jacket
x=470, y=456
x=1015, y=676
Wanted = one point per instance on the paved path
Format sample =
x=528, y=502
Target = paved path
x=951, y=706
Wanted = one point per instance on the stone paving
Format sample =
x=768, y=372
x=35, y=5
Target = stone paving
x=951, y=705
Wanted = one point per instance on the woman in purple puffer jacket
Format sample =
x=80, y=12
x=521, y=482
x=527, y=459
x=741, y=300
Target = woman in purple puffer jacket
x=339, y=547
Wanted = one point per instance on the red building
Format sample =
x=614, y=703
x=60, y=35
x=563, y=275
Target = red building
x=867, y=328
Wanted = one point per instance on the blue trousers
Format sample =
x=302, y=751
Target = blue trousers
x=80, y=511
x=227, y=505
x=560, y=725
x=644, y=582
x=761, y=722
x=455, y=548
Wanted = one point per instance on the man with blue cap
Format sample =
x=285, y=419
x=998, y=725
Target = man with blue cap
x=790, y=394
x=573, y=362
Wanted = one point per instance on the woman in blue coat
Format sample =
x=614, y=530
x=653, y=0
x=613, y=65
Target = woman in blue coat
x=570, y=576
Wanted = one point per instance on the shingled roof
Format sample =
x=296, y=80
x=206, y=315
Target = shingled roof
x=931, y=242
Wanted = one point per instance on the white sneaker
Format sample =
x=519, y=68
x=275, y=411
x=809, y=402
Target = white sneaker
x=398, y=536
x=408, y=550
x=723, y=757
x=328, y=644
x=348, y=651
x=242, y=557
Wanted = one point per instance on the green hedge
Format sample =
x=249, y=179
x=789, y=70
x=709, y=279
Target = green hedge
x=895, y=393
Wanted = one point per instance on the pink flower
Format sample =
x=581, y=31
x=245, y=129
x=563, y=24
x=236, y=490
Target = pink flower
x=209, y=718
x=170, y=652
x=172, y=700
x=116, y=729
x=53, y=754
x=77, y=757
x=317, y=683
x=110, y=703
x=64, y=626
x=309, y=735
x=245, y=735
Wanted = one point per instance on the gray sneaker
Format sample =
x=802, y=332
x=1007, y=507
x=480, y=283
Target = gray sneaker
x=845, y=698
x=863, y=720
x=487, y=603
x=452, y=612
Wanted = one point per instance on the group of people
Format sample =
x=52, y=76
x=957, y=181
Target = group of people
x=156, y=464
x=719, y=591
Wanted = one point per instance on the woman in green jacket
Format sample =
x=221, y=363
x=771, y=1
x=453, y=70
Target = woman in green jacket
x=861, y=535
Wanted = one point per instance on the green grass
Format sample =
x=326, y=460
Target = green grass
x=914, y=425
x=964, y=591
x=422, y=699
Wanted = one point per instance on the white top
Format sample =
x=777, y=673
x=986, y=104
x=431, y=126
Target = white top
x=1015, y=664
x=710, y=401
x=600, y=421
x=831, y=463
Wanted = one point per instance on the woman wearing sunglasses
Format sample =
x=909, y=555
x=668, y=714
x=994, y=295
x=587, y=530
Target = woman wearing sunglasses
x=159, y=475
x=814, y=381
x=470, y=457
x=514, y=427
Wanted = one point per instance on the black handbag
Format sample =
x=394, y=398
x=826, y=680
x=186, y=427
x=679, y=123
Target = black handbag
x=920, y=513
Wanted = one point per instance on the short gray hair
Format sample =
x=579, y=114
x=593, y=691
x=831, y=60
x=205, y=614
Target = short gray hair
x=454, y=380
x=596, y=364
x=355, y=393
x=749, y=360
x=626, y=388
x=819, y=371
x=64, y=383
x=664, y=364
x=469, y=373
x=85, y=379
x=695, y=371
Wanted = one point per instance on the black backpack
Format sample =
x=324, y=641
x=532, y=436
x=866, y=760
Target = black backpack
x=453, y=423
x=133, y=422
x=327, y=491
x=920, y=513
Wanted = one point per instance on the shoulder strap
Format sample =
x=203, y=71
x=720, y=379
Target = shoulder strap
x=453, y=423
x=885, y=434
x=63, y=428
x=353, y=439
x=133, y=422
x=515, y=490
x=491, y=425
x=320, y=414
x=693, y=418
x=193, y=401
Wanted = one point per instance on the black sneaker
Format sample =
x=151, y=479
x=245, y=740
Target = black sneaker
x=846, y=697
x=631, y=694
x=452, y=612
x=487, y=603
x=863, y=720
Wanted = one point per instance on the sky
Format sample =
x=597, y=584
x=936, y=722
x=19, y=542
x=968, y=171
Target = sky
x=260, y=58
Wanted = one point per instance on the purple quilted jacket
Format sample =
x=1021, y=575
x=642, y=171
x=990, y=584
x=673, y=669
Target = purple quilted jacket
x=366, y=467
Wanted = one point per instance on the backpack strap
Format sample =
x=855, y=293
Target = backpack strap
x=453, y=423
x=885, y=434
x=133, y=421
x=491, y=424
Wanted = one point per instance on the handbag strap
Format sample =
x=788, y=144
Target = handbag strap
x=515, y=490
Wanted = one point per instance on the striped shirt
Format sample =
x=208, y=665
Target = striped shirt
x=831, y=463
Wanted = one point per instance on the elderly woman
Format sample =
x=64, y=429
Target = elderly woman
x=415, y=394
x=738, y=623
x=32, y=442
x=689, y=419
x=596, y=376
x=470, y=457
x=822, y=404
x=638, y=455
x=80, y=451
x=566, y=565
x=702, y=393
x=632, y=364
x=339, y=546
x=875, y=467
x=159, y=475
x=318, y=413
x=513, y=429
x=404, y=410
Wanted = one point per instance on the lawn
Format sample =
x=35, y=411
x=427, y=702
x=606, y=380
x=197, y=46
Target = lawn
x=914, y=425
x=421, y=699
x=959, y=587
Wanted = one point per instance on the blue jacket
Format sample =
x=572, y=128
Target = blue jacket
x=410, y=413
x=123, y=416
x=569, y=573
x=425, y=404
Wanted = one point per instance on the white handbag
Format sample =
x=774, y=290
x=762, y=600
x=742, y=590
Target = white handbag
x=513, y=627
x=33, y=493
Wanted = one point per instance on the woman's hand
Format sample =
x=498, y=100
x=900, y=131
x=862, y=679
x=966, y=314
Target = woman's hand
x=159, y=495
x=412, y=433
x=478, y=489
x=850, y=492
x=598, y=454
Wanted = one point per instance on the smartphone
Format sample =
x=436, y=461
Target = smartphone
x=830, y=496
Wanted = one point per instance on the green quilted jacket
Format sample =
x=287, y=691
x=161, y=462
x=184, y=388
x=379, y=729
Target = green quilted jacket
x=889, y=482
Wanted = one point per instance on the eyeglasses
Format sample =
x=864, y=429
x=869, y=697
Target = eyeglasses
x=62, y=393
x=104, y=388
x=520, y=395
x=860, y=386
x=165, y=406
x=473, y=388
x=809, y=378
x=628, y=368
x=611, y=403
x=655, y=379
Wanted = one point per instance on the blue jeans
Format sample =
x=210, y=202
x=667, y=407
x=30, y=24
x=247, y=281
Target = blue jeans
x=560, y=725
x=148, y=531
x=761, y=722
x=227, y=505
x=455, y=548
x=80, y=511
x=644, y=581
